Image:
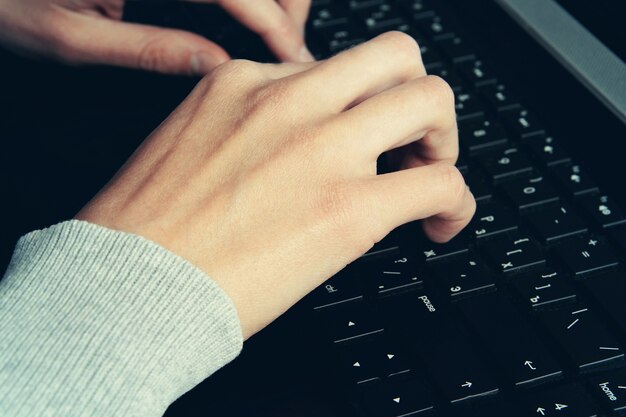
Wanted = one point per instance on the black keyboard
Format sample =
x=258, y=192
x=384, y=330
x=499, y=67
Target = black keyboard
x=523, y=313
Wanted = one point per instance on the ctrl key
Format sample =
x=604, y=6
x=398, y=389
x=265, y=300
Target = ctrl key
x=611, y=388
x=396, y=399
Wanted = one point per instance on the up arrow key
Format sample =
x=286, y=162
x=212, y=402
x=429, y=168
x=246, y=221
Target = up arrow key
x=351, y=323
x=541, y=411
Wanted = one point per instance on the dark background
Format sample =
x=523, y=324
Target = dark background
x=65, y=131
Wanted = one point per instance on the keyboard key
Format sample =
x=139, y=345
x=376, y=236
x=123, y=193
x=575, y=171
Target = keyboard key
x=461, y=164
x=371, y=360
x=575, y=180
x=605, y=213
x=478, y=186
x=455, y=49
x=431, y=251
x=514, y=255
x=531, y=193
x=566, y=400
x=584, y=337
x=476, y=73
x=523, y=123
x=464, y=276
x=445, y=349
x=342, y=36
x=505, y=164
x=514, y=346
x=619, y=237
x=342, y=288
x=360, y=4
x=498, y=97
x=555, y=223
x=479, y=134
x=380, y=18
x=328, y=15
x=491, y=219
x=396, y=274
x=419, y=9
x=348, y=324
x=611, y=390
x=608, y=291
x=393, y=398
x=587, y=256
x=434, y=27
x=547, y=150
x=467, y=106
x=545, y=289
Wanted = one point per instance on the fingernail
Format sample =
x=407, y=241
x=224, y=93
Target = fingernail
x=202, y=62
x=306, y=55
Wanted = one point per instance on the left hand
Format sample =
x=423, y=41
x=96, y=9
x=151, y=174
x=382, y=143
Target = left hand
x=91, y=32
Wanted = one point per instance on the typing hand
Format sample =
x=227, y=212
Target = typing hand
x=90, y=32
x=265, y=176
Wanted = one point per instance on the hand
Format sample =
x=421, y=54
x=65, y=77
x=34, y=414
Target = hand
x=90, y=32
x=265, y=176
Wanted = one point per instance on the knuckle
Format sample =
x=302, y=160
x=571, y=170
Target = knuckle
x=239, y=70
x=403, y=47
x=440, y=91
x=452, y=183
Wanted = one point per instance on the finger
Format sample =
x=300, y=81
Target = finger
x=354, y=75
x=436, y=193
x=271, y=22
x=297, y=10
x=422, y=108
x=102, y=41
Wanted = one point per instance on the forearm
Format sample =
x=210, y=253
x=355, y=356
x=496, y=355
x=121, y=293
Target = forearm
x=98, y=322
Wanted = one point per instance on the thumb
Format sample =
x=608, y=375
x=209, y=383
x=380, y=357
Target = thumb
x=96, y=40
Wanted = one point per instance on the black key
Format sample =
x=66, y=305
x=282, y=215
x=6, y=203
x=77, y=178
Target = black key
x=343, y=288
x=445, y=348
x=619, y=237
x=380, y=18
x=464, y=276
x=360, y=4
x=467, y=106
x=478, y=186
x=479, y=134
x=583, y=336
x=431, y=251
x=574, y=179
x=419, y=8
x=566, y=400
x=513, y=344
x=476, y=73
x=328, y=15
x=611, y=390
x=605, y=213
x=342, y=36
x=545, y=289
x=587, y=256
x=523, y=123
x=547, y=150
x=430, y=57
x=555, y=223
x=347, y=324
x=434, y=27
x=393, y=398
x=531, y=193
x=371, y=360
x=384, y=248
x=514, y=255
x=498, y=97
x=506, y=164
x=491, y=219
x=450, y=77
x=397, y=274
x=455, y=49
x=608, y=291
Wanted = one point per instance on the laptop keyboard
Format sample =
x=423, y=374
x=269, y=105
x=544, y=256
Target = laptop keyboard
x=522, y=314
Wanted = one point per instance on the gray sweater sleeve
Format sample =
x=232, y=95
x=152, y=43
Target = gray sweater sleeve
x=96, y=322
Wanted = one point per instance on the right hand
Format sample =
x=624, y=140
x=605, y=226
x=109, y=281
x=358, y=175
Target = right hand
x=265, y=176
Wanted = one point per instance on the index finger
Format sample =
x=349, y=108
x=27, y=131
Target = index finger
x=273, y=24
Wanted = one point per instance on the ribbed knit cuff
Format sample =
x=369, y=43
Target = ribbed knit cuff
x=96, y=322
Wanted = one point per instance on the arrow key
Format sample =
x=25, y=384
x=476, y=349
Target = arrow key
x=349, y=324
x=397, y=398
x=568, y=400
